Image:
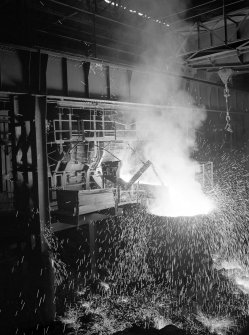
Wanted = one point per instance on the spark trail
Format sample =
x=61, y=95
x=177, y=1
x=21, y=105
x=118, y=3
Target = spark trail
x=190, y=271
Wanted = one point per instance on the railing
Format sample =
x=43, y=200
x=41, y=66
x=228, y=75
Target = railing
x=64, y=131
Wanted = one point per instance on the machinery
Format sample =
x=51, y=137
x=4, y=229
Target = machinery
x=86, y=150
x=84, y=146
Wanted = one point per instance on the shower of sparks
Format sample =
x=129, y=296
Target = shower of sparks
x=218, y=326
x=154, y=271
x=180, y=197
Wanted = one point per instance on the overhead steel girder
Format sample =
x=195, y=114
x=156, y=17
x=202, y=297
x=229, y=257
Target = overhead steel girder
x=242, y=68
x=70, y=77
x=235, y=49
x=76, y=38
x=80, y=10
x=220, y=38
x=71, y=17
x=29, y=163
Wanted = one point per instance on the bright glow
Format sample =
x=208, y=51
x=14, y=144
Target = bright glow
x=182, y=195
x=217, y=325
x=180, y=201
x=236, y=272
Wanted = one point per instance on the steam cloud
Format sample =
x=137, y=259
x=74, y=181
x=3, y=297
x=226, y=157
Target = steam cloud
x=168, y=133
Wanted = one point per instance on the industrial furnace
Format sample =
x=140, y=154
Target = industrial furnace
x=88, y=145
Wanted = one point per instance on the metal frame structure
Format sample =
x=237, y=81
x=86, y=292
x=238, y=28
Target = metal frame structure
x=82, y=29
x=221, y=42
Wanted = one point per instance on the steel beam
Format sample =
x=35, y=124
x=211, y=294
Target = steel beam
x=40, y=108
x=218, y=51
x=203, y=13
x=86, y=69
x=237, y=66
x=78, y=39
x=232, y=20
x=241, y=22
x=92, y=245
x=29, y=164
x=75, y=20
x=65, y=76
x=80, y=10
x=212, y=32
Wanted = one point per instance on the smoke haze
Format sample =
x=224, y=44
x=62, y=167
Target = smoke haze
x=167, y=133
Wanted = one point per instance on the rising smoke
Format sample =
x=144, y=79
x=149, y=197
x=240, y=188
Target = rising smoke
x=168, y=133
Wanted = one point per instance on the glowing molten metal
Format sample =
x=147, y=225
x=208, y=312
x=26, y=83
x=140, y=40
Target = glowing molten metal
x=181, y=202
x=181, y=196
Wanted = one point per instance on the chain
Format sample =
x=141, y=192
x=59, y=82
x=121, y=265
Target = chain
x=228, y=126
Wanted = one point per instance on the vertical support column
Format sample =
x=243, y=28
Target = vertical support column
x=77, y=205
x=65, y=76
x=45, y=281
x=86, y=69
x=1, y=160
x=95, y=134
x=1, y=85
x=92, y=244
x=117, y=186
x=108, y=82
x=13, y=115
x=42, y=174
x=61, y=133
x=36, y=279
x=129, y=75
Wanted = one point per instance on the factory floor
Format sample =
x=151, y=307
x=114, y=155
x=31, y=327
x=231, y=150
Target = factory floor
x=149, y=272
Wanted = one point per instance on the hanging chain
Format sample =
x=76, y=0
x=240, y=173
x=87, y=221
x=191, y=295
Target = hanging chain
x=228, y=126
x=225, y=74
